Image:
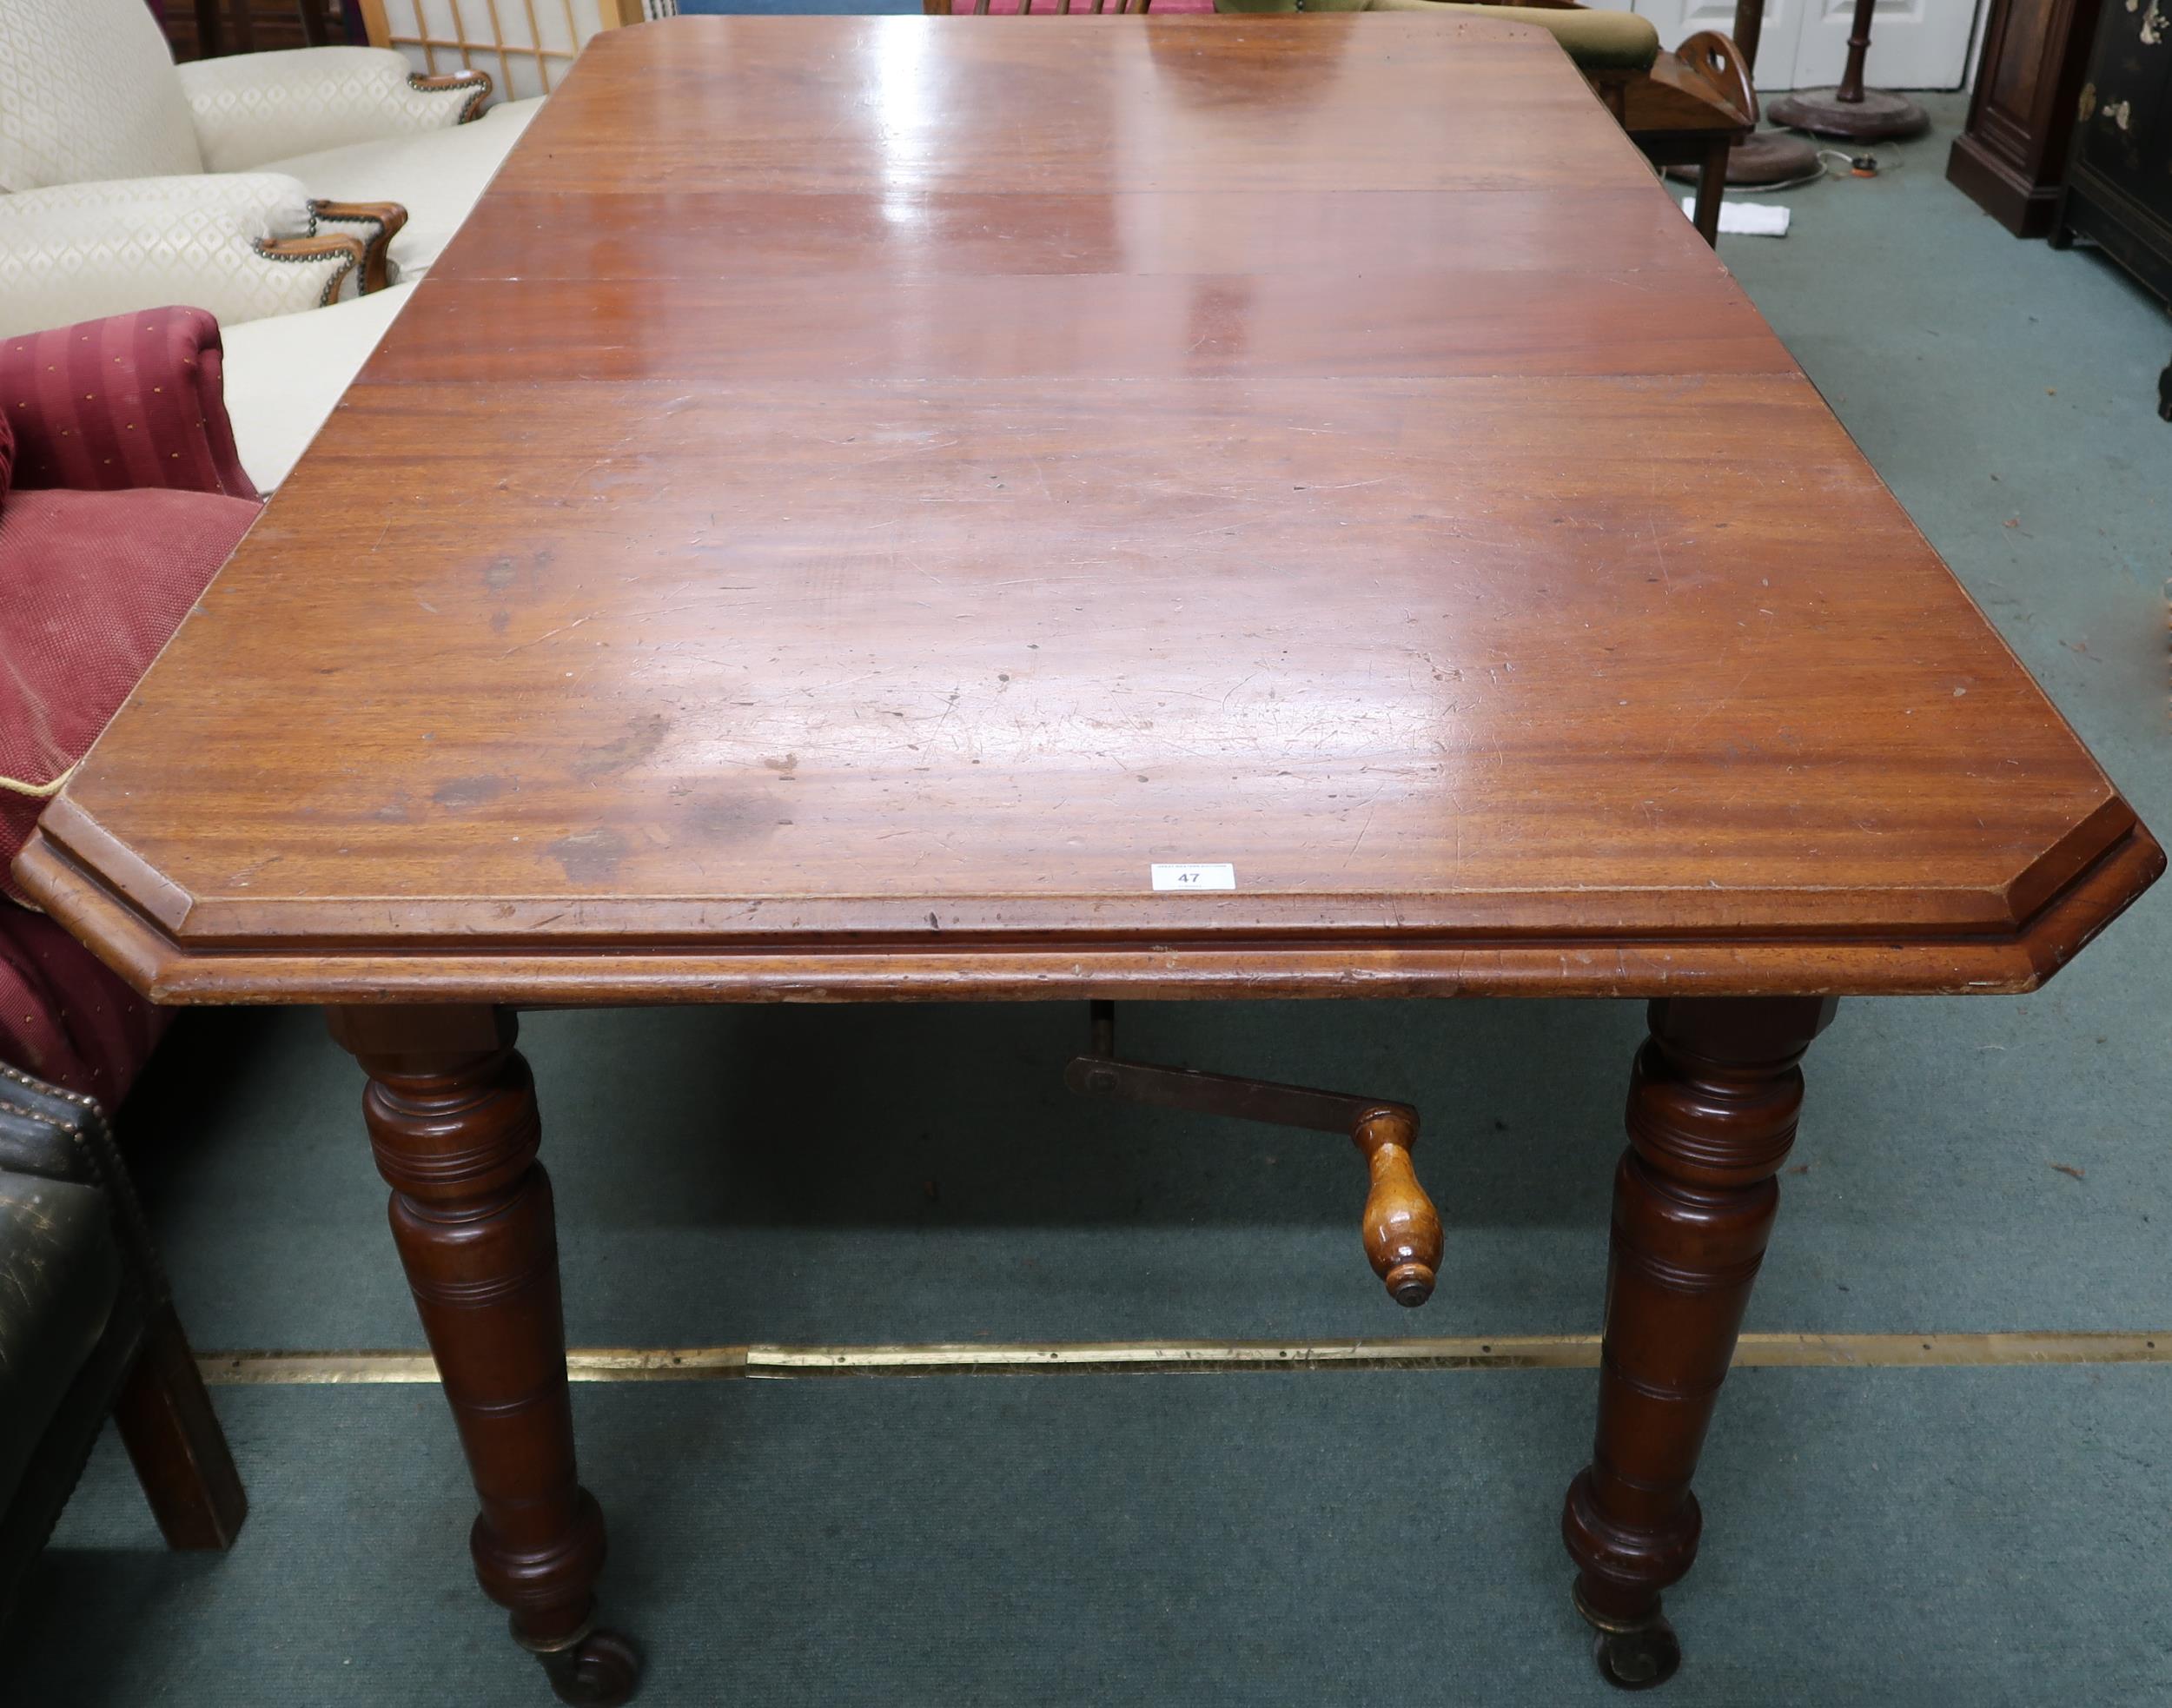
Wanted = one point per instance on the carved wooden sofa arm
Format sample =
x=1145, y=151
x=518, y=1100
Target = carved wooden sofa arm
x=377, y=223
x=345, y=255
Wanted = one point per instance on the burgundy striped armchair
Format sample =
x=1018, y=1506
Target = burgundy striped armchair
x=120, y=497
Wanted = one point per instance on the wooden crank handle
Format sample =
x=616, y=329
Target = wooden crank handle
x=1402, y=1230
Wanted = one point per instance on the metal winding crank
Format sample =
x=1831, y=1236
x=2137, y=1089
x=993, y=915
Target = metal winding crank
x=1401, y=1228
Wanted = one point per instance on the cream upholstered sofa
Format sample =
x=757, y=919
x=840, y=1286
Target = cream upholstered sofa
x=284, y=374
x=296, y=196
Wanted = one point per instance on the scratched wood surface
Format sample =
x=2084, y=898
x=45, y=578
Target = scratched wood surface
x=860, y=491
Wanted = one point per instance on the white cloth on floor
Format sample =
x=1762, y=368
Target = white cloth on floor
x=1746, y=219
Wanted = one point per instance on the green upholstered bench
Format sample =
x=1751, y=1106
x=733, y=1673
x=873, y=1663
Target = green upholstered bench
x=1595, y=41
x=1687, y=108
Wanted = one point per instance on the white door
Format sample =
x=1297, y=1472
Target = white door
x=1914, y=44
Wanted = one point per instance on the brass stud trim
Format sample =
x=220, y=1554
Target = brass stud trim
x=1500, y=1352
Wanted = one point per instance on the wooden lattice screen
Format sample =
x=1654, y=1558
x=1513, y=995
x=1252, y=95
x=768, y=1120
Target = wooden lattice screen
x=526, y=46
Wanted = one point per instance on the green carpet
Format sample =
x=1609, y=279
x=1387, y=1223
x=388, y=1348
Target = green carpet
x=1975, y=1537
x=1874, y=1536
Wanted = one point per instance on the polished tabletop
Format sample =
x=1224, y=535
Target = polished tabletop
x=859, y=494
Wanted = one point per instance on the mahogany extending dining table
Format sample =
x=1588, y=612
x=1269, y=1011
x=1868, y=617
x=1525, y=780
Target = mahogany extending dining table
x=910, y=508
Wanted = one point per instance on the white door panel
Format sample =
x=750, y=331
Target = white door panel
x=1914, y=44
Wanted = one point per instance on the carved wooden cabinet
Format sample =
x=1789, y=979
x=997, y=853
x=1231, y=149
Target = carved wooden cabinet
x=2119, y=177
x=2012, y=156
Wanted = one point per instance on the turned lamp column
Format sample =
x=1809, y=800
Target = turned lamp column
x=1713, y=1109
x=1764, y=156
x=1860, y=115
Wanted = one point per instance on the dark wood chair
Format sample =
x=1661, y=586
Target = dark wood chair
x=87, y=1331
x=1690, y=109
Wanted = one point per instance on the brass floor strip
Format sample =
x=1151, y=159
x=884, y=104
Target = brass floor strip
x=1508, y=1351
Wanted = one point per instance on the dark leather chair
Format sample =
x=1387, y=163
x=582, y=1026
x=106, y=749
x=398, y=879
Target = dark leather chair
x=88, y=1330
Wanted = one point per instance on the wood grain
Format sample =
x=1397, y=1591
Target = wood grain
x=789, y=550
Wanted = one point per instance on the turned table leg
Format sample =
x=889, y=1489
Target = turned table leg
x=1713, y=1108
x=452, y=1117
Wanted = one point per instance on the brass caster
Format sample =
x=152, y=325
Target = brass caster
x=1632, y=1654
x=598, y=1669
x=1640, y=1658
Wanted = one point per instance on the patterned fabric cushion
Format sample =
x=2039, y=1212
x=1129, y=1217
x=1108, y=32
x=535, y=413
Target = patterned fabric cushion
x=88, y=89
x=7, y=451
x=255, y=107
x=110, y=248
x=135, y=401
x=91, y=585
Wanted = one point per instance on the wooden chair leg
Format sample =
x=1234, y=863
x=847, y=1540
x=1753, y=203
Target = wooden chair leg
x=1712, y=185
x=179, y=1451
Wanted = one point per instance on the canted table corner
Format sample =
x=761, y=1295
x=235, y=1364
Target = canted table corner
x=859, y=494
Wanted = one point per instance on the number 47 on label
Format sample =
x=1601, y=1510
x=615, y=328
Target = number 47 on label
x=1194, y=877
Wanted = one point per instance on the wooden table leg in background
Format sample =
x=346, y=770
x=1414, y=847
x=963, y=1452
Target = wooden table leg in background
x=452, y=1116
x=1713, y=1108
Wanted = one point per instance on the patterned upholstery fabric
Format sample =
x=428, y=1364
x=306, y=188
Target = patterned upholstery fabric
x=251, y=108
x=135, y=401
x=122, y=177
x=116, y=246
x=88, y=89
x=92, y=583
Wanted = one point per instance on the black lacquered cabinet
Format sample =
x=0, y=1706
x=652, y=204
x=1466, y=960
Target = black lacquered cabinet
x=2119, y=174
